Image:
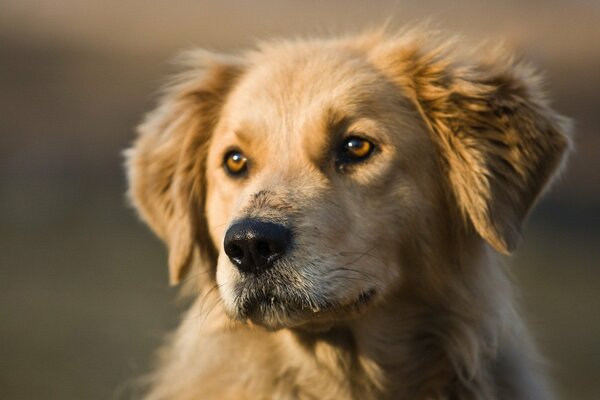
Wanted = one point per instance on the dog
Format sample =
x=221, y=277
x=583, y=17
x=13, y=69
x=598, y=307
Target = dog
x=338, y=208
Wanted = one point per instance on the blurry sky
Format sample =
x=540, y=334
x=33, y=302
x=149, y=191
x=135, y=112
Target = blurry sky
x=83, y=291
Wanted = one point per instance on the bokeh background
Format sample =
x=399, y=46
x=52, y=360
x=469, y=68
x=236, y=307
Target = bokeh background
x=84, y=298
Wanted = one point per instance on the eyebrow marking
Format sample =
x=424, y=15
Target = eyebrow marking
x=242, y=135
x=333, y=125
x=336, y=125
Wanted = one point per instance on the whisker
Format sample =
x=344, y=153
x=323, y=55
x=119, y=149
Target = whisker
x=343, y=268
x=203, y=312
x=196, y=274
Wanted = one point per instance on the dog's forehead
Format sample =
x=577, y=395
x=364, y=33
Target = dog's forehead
x=287, y=92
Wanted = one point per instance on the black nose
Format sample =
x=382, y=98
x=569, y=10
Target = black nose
x=253, y=245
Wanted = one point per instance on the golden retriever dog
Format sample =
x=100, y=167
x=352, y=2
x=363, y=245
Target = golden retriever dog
x=337, y=207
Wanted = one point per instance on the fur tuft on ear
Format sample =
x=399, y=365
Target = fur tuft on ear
x=501, y=143
x=166, y=162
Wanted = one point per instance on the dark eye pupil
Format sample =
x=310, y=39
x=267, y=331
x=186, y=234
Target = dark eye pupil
x=353, y=150
x=357, y=149
x=355, y=143
x=235, y=162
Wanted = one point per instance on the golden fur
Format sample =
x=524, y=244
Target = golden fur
x=465, y=145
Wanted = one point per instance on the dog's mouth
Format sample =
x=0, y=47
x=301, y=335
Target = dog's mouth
x=279, y=309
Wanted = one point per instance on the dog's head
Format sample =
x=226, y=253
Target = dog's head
x=310, y=177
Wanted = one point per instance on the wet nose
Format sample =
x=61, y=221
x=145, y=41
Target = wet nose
x=253, y=245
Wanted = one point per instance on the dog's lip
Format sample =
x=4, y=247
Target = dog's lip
x=251, y=309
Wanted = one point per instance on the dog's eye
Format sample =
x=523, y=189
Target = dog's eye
x=235, y=162
x=355, y=149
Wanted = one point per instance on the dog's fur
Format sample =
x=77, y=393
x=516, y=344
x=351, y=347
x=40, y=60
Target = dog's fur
x=393, y=289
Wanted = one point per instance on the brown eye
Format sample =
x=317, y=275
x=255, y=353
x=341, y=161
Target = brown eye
x=235, y=163
x=355, y=149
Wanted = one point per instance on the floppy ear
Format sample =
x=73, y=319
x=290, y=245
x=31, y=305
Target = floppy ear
x=501, y=143
x=166, y=162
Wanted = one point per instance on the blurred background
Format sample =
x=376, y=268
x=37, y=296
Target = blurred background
x=84, y=297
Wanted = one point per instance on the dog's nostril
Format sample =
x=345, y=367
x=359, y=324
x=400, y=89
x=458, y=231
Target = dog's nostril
x=234, y=251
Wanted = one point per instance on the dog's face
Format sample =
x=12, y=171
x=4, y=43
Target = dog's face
x=309, y=175
x=316, y=168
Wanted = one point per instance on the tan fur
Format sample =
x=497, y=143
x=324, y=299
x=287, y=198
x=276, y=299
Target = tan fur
x=465, y=145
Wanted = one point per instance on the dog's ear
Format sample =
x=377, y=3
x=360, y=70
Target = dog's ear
x=166, y=162
x=500, y=141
